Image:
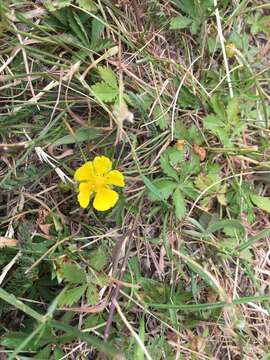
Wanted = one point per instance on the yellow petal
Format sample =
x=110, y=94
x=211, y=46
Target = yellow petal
x=105, y=199
x=84, y=172
x=102, y=165
x=115, y=177
x=85, y=191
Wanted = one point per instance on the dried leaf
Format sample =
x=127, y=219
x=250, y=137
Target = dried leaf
x=4, y=241
x=200, y=151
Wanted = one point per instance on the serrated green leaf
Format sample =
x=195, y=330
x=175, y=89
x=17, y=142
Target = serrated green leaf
x=98, y=259
x=261, y=202
x=83, y=134
x=167, y=168
x=97, y=28
x=161, y=117
x=72, y=296
x=108, y=76
x=179, y=204
x=164, y=187
x=76, y=26
x=104, y=92
x=88, y=5
x=176, y=156
x=92, y=295
x=180, y=22
x=72, y=273
x=85, y=38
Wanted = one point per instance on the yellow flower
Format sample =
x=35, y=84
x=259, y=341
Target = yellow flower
x=97, y=178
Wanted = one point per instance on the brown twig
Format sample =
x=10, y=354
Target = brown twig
x=137, y=13
x=116, y=255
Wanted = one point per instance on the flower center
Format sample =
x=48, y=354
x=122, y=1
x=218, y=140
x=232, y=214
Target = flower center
x=99, y=181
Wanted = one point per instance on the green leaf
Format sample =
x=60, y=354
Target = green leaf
x=104, y=92
x=97, y=28
x=180, y=22
x=233, y=110
x=43, y=354
x=52, y=5
x=218, y=107
x=76, y=26
x=223, y=224
x=139, y=354
x=164, y=188
x=161, y=117
x=13, y=339
x=92, y=340
x=189, y=133
x=261, y=202
x=72, y=296
x=153, y=189
x=98, y=259
x=203, y=181
x=88, y=5
x=108, y=76
x=176, y=157
x=72, y=273
x=92, y=295
x=81, y=135
x=179, y=204
x=253, y=239
x=260, y=24
x=212, y=122
x=167, y=167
